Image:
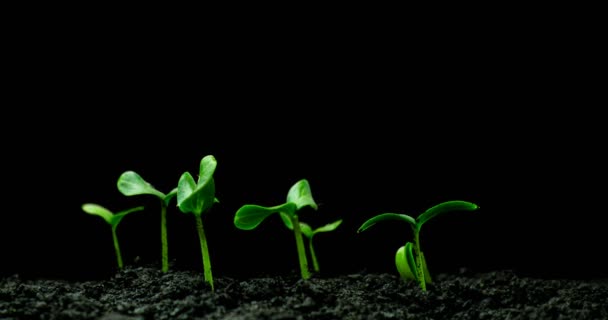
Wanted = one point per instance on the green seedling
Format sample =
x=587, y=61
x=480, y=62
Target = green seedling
x=198, y=198
x=409, y=259
x=113, y=220
x=249, y=216
x=130, y=184
x=309, y=233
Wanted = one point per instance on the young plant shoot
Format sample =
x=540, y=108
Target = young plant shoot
x=130, y=183
x=113, y=220
x=198, y=198
x=309, y=233
x=409, y=258
x=249, y=216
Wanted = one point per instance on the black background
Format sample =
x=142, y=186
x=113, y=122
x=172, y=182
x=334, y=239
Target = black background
x=371, y=131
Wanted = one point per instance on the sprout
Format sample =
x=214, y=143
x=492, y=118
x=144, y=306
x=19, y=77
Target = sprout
x=249, y=216
x=113, y=220
x=197, y=198
x=130, y=183
x=409, y=258
x=309, y=233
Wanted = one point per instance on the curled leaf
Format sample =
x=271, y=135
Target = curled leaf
x=444, y=207
x=95, y=209
x=301, y=195
x=386, y=217
x=195, y=198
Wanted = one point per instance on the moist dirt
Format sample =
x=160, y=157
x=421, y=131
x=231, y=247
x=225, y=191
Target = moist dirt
x=146, y=293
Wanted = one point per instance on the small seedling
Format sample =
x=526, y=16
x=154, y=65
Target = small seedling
x=309, y=233
x=130, y=183
x=198, y=198
x=113, y=220
x=409, y=259
x=249, y=216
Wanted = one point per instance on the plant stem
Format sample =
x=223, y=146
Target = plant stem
x=204, y=251
x=117, y=248
x=163, y=237
x=419, y=265
x=300, y=245
x=315, y=263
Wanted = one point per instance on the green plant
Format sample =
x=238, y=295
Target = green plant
x=309, y=233
x=409, y=259
x=113, y=220
x=249, y=216
x=131, y=183
x=198, y=198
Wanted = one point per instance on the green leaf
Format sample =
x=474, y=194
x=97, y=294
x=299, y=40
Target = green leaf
x=130, y=183
x=192, y=198
x=249, y=216
x=185, y=188
x=206, y=169
x=98, y=210
x=197, y=197
x=328, y=227
x=404, y=261
x=455, y=205
x=306, y=230
x=386, y=217
x=301, y=195
x=111, y=218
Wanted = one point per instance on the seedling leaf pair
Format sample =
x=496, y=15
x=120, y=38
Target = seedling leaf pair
x=131, y=183
x=308, y=232
x=197, y=198
x=409, y=259
x=249, y=216
x=113, y=219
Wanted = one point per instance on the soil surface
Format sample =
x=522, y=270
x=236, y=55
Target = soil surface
x=146, y=293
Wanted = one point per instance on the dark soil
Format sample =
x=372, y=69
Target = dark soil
x=146, y=293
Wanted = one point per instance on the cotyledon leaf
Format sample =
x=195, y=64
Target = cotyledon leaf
x=112, y=219
x=95, y=209
x=386, y=217
x=444, y=207
x=404, y=261
x=206, y=169
x=193, y=198
x=301, y=195
x=307, y=230
x=130, y=183
x=249, y=216
x=328, y=227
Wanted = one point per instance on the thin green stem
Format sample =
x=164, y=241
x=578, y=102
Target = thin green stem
x=300, y=245
x=117, y=248
x=204, y=251
x=419, y=265
x=163, y=237
x=315, y=263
